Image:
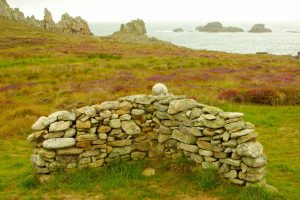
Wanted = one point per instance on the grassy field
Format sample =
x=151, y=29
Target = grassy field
x=41, y=72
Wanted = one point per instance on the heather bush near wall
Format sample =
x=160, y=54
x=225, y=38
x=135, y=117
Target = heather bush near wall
x=141, y=127
x=263, y=96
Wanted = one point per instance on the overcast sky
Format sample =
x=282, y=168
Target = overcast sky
x=166, y=10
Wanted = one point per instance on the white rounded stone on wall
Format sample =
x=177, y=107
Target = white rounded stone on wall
x=159, y=88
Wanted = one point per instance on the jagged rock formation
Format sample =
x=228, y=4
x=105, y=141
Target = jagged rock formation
x=77, y=25
x=156, y=126
x=49, y=24
x=134, y=32
x=178, y=30
x=67, y=24
x=217, y=27
x=259, y=28
x=136, y=27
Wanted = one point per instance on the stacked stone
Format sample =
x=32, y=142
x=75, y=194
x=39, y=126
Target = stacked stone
x=148, y=127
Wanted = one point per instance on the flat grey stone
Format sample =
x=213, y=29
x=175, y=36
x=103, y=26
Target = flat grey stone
x=250, y=149
x=130, y=127
x=59, y=143
x=60, y=126
x=42, y=123
x=63, y=115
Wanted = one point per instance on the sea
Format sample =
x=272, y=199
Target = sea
x=284, y=40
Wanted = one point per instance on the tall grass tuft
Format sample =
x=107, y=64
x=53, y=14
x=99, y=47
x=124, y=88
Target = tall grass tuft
x=206, y=179
x=119, y=174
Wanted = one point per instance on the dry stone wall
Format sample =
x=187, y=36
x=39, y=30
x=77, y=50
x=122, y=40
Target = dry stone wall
x=138, y=127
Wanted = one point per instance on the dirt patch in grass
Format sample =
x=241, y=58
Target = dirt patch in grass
x=16, y=86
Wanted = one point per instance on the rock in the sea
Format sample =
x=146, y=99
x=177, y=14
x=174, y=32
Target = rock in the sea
x=136, y=27
x=130, y=127
x=59, y=143
x=217, y=27
x=250, y=149
x=259, y=28
x=178, y=30
x=159, y=88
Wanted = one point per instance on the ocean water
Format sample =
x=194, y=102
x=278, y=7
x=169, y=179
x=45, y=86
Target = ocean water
x=284, y=40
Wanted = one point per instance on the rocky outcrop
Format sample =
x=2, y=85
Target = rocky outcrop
x=178, y=30
x=49, y=24
x=134, y=32
x=217, y=27
x=76, y=25
x=259, y=28
x=136, y=27
x=156, y=126
x=67, y=24
x=9, y=13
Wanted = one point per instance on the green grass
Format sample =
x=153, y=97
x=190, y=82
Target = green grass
x=124, y=180
x=42, y=72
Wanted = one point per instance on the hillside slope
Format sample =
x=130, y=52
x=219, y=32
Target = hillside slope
x=42, y=72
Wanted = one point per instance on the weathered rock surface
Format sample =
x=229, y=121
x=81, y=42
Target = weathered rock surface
x=59, y=143
x=136, y=27
x=67, y=24
x=42, y=123
x=76, y=25
x=181, y=105
x=250, y=149
x=130, y=127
